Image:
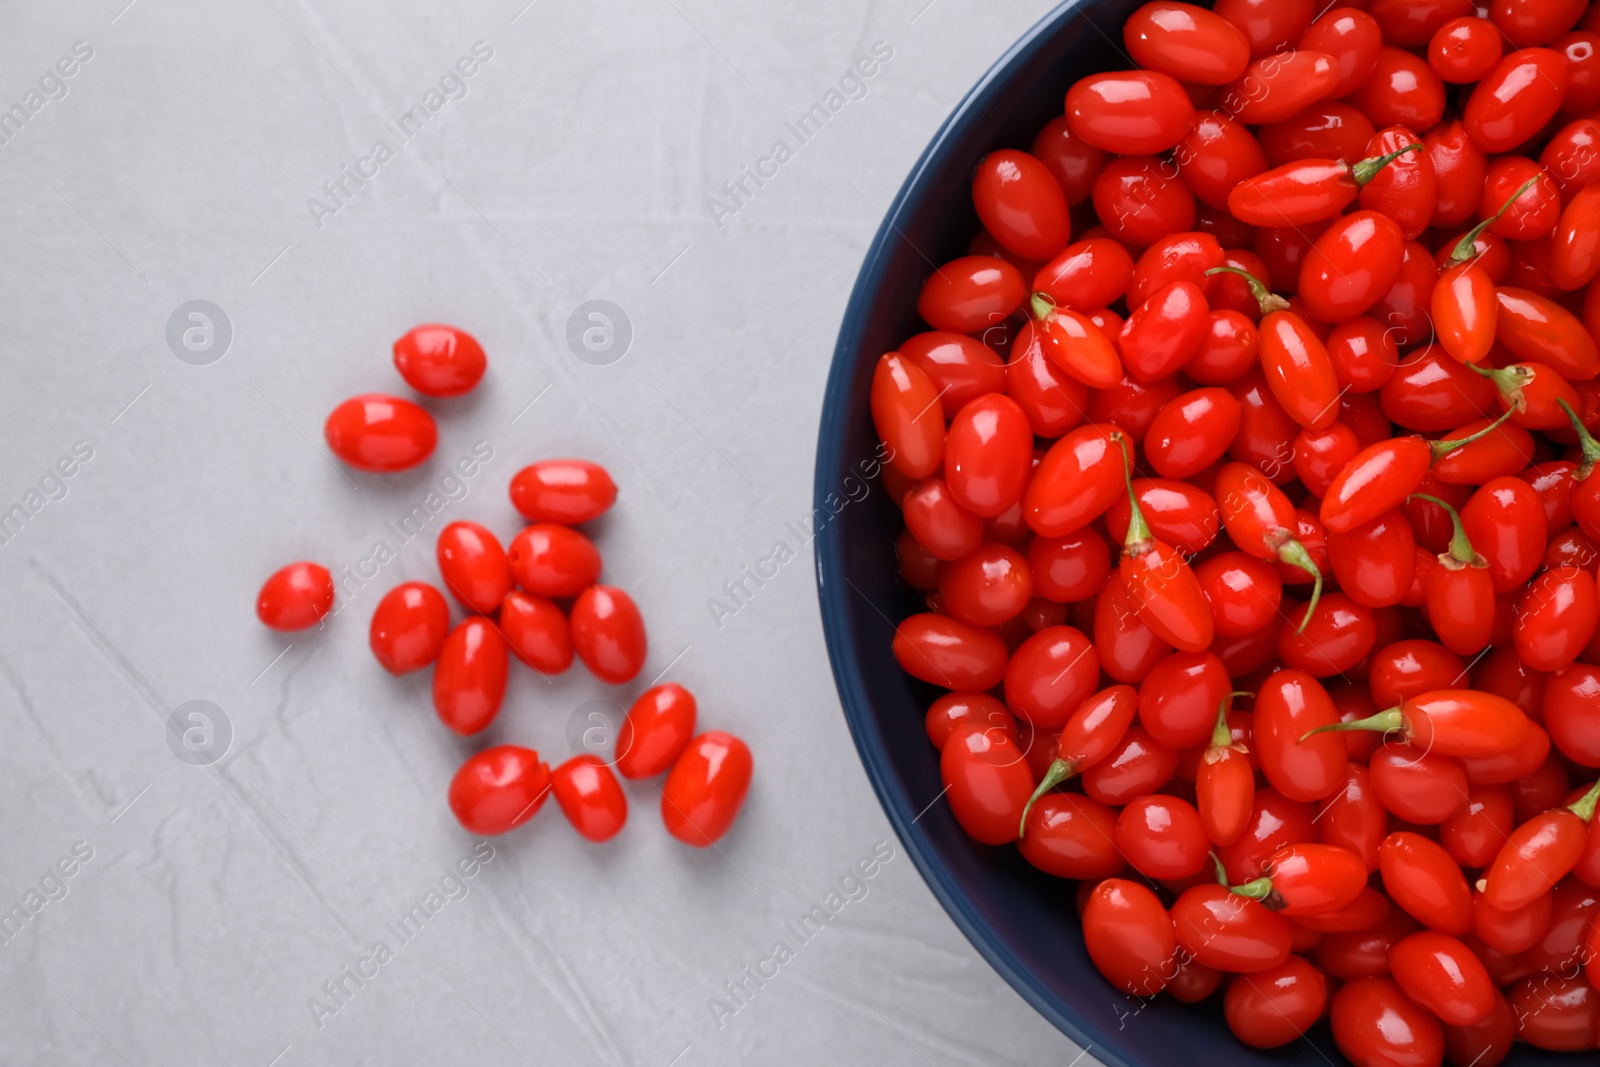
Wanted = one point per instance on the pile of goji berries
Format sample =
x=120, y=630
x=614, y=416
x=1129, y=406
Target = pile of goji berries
x=541, y=602
x=1301, y=316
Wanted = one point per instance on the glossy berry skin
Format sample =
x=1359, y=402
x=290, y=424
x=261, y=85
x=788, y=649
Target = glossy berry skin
x=1228, y=932
x=1050, y=675
x=1465, y=312
x=1139, y=202
x=963, y=368
x=1431, y=393
x=439, y=360
x=1077, y=480
x=295, y=597
x=1512, y=932
x=1375, y=482
x=987, y=587
x=1187, y=42
x=1402, y=90
x=1164, y=332
x=1303, y=191
x=1309, y=880
x=499, y=789
x=590, y=797
x=1275, y=821
x=1504, y=520
x=706, y=788
x=905, y=409
x=1225, y=792
x=1213, y=158
x=1556, y=1012
x=1351, y=266
x=1374, y=563
x=1354, y=819
x=1376, y=1025
x=1417, y=785
x=1192, y=432
x=1087, y=275
x=1421, y=878
x=564, y=491
x=1536, y=856
x=608, y=633
x=1275, y=87
x=944, y=651
x=1276, y=1006
x=1169, y=596
x=1532, y=212
x=1021, y=205
x=553, y=561
x=941, y=527
x=1071, y=568
x=1515, y=99
x=379, y=433
x=1136, y=766
x=1568, y=706
x=988, y=455
x=1406, y=189
x=1575, y=254
x=1162, y=838
x=1244, y=592
x=967, y=295
x=1289, y=705
x=1069, y=836
x=658, y=726
x=1072, y=162
x=1127, y=648
x=474, y=566
x=536, y=631
x=1464, y=50
x=1178, y=698
x=1298, y=370
x=1130, y=112
x=987, y=782
x=1444, y=976
x=469, y=681
x=1338, y=635
x=409, y=627
x=1538, y=330
x=1179, y=513
x=958, y=711
x=1130, y=936
x=1556, y=618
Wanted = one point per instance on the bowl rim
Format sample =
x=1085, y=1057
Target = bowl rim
x=843, y=656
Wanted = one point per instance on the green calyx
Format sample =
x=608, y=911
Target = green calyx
x=1591, y=447
x=1043, y=305
x=1268, y=300
x=1060, y=770
x=1509, y=382
x=1385, y=722
x=1442, y=449
x=1255, y=889
x=1366, y=170
x=1222, y=733
x=1584, y=806
x=1466, y=248
x=1462, y=554
x=1292, y=552
x=1138, y=530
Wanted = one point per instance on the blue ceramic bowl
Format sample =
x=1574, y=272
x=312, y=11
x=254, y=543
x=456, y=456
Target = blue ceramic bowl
x=1021, y=920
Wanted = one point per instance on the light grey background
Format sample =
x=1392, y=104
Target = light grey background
x=578, y=166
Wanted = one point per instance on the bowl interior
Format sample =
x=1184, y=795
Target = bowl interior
x=1021, y=920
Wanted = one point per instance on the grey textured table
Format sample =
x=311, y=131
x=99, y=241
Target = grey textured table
x=326, y=176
